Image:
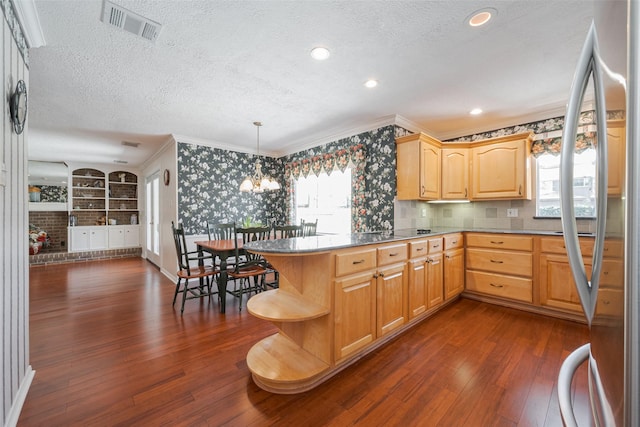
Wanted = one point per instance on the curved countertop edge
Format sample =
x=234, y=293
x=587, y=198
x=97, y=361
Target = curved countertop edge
x=328, y=242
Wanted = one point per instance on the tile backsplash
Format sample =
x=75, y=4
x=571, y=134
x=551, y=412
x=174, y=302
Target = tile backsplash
x=479, y=215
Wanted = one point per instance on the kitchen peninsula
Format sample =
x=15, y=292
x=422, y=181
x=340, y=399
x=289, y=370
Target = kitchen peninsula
x=342, y=296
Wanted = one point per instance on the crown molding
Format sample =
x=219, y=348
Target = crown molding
x=221, y=145
x=27, y=15
x=319, y=139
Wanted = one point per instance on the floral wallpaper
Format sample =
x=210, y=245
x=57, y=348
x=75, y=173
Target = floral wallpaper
x=209, y=178
x=374, y=178
x=547, y=145
x=52, y=193
x=208, y=188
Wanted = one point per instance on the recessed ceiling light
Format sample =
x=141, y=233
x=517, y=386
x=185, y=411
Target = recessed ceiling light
x=475, y=111
x=320, y=53
x=481, y=17
x=371, y=83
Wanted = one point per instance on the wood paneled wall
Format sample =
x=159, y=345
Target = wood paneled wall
x=14, y=264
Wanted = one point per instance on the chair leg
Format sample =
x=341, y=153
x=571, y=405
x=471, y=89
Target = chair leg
x=175, y=294
x=184, y=294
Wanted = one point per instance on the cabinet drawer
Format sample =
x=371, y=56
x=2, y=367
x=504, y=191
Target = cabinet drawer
x=612, y=248
x=435, y=245
x=555, y=245
x=610, y=302
x=514, y=288
x=353, y=262
x=453, y=241
x=501, y=241
x=392, y=253
x=418, y=248
x=612, y=273
x=517, y=263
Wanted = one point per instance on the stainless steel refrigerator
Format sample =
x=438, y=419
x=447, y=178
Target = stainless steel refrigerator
x=608, y=69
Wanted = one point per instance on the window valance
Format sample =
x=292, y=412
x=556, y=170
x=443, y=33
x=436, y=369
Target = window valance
x=583, y=142
x=341, y=159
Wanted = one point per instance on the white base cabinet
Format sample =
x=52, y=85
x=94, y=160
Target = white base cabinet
x=93, y=238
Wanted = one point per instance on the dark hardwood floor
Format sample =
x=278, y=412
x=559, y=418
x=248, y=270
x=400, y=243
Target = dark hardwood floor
x=109, y=349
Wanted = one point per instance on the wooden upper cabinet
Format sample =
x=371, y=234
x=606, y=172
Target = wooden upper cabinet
x=616, y=146
x=501, y=168
x=455, y=173
x=418, y=167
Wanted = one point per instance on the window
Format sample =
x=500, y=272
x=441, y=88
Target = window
x=326, y=198
x=584, y=184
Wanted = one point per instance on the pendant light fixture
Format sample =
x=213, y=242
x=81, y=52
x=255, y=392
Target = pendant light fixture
x=258, y=183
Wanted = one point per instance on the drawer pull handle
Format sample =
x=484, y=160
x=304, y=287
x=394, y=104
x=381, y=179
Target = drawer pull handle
x=455, y=242
x=497, y=261
x=420, y=249
x=436, y=246
x=606, y=302
x=465, y=192
x=381, y=274
x=496, y=286
x=497, y=242
x=520, y=190
x=394, y=254
x=358, y=262
x=606, y=273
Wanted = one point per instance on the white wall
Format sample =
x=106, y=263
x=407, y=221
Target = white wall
x=166, y=158
x=14, y=267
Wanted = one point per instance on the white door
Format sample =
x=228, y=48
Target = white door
x=153, y=218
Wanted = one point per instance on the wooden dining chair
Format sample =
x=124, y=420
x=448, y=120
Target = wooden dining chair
x=221, y=231
x=309, y=228
x=249, y=266
x=287, y=231
x=187, y=271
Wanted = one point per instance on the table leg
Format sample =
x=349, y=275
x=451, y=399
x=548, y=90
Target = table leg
x=222, y=282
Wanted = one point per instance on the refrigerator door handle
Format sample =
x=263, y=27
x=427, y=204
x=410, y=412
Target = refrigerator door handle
x=588, y=64
x=565, y=377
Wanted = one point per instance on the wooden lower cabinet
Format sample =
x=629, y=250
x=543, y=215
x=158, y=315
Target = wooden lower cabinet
x=355, y=313
x=417, y=292
x=435, y=277
x=557, y=287
x=391, y=284
x=453, y=273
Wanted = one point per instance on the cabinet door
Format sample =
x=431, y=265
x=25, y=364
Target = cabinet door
x=131, y=236
x=98, y=238
x=116, y=237
x=500, y=171
x=355, y=313
x=391, y=289
x=455, y=173
x=453, y=273
x=430, y=165
x=616, y=156
x=557, y=287
x=417, y=287
x=79, y=239
x=435, y=276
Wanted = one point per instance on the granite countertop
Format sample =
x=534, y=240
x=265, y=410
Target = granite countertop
x=329, y=242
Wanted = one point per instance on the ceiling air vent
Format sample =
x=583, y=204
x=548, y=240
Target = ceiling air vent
x=131, y=144
x=124, y=19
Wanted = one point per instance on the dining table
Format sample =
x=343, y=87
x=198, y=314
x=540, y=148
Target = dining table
x=222, y=249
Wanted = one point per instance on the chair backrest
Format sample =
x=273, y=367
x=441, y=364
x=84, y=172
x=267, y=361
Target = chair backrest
x=181, y=247
x=309, y=228
x=287, y=231
x=252, y=234
x=222, y=231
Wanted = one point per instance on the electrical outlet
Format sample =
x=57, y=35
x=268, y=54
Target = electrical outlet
x=423, y=212
x=512, y=213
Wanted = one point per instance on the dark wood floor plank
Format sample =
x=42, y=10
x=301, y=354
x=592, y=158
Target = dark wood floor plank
x=109, y=349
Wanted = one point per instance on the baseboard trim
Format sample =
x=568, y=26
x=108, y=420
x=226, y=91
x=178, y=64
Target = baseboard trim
x=21, y=396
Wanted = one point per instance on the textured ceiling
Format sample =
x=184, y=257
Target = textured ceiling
x=216, y=67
